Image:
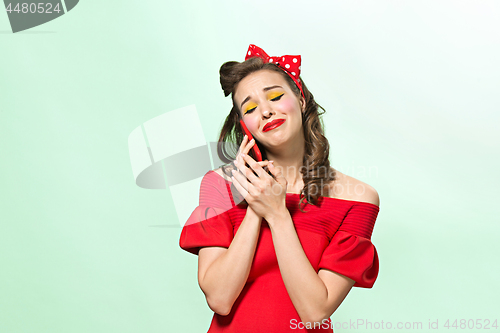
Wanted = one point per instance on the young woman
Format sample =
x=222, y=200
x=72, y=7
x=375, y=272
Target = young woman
x=286, y=257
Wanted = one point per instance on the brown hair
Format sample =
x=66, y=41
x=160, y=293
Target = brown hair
x=316, y=171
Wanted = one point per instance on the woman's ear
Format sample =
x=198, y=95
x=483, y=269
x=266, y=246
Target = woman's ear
x=302, y=104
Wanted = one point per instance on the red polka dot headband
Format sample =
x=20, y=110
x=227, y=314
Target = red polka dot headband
x=289, y=63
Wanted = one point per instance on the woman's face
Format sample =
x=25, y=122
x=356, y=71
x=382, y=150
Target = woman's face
x=264, y=97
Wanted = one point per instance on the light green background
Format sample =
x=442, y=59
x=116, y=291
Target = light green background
x=411, y=88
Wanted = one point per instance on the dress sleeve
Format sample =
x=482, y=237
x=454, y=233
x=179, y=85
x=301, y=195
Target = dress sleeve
x=209, y=224
x=351, y=252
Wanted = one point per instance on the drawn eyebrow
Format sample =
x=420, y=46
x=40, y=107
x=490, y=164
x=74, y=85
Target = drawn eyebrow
x=272, y=87
x=244, y=101
x=265, y=89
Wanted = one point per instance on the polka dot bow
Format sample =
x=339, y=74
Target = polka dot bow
x=289, y=63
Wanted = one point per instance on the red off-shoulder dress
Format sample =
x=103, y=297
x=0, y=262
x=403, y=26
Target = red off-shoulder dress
x=335, y=234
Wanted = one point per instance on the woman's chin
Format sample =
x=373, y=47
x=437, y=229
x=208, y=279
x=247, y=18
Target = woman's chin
x=274, y=143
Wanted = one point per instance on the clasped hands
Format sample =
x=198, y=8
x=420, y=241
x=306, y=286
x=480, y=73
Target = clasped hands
x=264, y=193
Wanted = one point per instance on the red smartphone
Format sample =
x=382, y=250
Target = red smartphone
x=258, y=155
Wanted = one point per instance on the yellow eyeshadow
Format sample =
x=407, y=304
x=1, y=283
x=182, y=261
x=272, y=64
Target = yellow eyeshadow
x=250, y=106
x=274, y=94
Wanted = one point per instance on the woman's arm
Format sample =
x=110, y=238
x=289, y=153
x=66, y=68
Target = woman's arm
x=222, y=272
x=315, y=296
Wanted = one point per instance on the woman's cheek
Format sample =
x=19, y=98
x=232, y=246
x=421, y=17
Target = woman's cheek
x=252, y=125
x=287, y=105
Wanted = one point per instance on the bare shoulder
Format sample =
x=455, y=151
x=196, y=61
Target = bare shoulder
x=222, y=174
x=350, y=188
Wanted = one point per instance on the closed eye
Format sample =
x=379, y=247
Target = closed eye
x=250, y=110
x=277, y=98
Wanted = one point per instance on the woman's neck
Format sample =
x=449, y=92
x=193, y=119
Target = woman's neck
x=289, y=160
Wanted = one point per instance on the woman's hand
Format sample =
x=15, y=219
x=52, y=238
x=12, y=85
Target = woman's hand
x=264, y=194
x=244, y=148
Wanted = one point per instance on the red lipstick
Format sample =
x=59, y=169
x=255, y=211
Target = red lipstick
x=273, y=124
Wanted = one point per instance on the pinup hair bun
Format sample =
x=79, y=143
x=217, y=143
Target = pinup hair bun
x=228, y=77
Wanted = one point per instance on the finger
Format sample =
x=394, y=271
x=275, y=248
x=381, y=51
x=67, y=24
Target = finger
x=263, y=163
x=241, y=149
x=242, y=145
x=278, y=175
x=247, y=173
x=255, y=166
x=249, y=146
x=265, y=167
x=238, y=186
x=240, y=177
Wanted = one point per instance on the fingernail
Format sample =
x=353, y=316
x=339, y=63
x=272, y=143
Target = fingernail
x=243, y=155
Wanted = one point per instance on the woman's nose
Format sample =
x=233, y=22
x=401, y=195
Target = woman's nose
x=267, y=111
